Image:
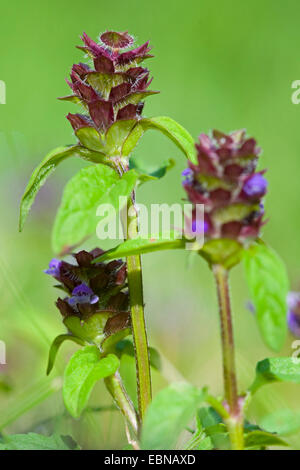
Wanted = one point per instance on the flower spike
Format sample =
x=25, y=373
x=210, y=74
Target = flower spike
x=225, y=181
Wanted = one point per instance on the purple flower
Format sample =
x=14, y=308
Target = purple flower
x=255, y=186
x=224, y=180
x=82, y=294
x=293, y=320
x=293, y=315
x=54, y=268
x=199, y=226
x=188, y=176
x=93, y=288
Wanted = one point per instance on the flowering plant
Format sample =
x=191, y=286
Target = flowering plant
x=102, y=303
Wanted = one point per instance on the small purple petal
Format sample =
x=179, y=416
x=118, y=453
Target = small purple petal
x=82, y=294
x=200, y=226
x=256, y=185
x=54, y=268
x=82, y=290
x=293, y=301
x=293, y=321
x=72, y=301
x=94, y=299
x=188, y=176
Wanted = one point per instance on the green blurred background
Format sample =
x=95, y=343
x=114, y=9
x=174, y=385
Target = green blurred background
x=222, y=64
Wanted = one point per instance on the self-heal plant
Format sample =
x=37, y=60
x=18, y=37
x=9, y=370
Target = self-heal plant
x=110, y=91
x=95, y=311
x=101, y=300
x=224, y=178
x=226, y=182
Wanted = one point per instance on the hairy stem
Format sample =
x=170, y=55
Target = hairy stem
x=235, y=421
x=135, y=283
x=134, y=273
x=122, y=400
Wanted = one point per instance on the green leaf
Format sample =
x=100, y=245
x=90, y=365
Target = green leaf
x=132, y=140
x=180, y=136
x=262, y=439
x=109, y=342
x=139, y=245
x=89, y=137
x=224, y=251
x=199, y=441
x=155, y=359
x=205, y=444
x=151, y=173
x=234, y=212
x=44, y=170
x=103, y=82
x=77, y=215
x=168, y=415
x=120, y=134
x=282, y=422
x=33, y=441
x=82, y=372
x=91, y=330
x=56, y=345
x=128, y=447
x=208, y=417
x=214, y=428
x=268, y=284
x=276, y=369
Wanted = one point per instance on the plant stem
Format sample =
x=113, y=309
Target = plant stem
x=235, y=421
x=122, y=400
x=235, y=428
x=135, y=283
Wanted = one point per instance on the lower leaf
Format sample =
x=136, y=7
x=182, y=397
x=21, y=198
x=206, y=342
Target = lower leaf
x=56, y=345
x=46, y=168
x=168, y=415
x=84, y=369
x=257, y=439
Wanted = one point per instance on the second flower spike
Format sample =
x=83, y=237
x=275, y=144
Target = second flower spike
x=226, y=182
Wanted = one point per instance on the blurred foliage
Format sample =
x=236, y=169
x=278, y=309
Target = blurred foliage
x=218, y=64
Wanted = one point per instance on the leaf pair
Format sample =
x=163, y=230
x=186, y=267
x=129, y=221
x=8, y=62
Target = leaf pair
x=265, y=272
x=210, y=424
x=174, y=408
x=126, y=141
